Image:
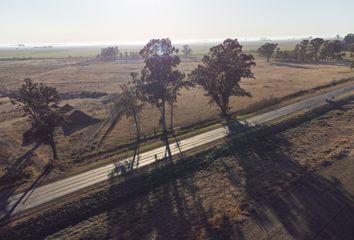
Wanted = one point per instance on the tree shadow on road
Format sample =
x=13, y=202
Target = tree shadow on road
x=5, y=196
x=13, y=177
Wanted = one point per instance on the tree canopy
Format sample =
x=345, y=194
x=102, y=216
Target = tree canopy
x=221, y=72
x=316, y=44
x=317, y=49
x=186, y=50
x=267, y=50
x=109, y=54
x=40, y=103
x=348, y=41
x=158, y=77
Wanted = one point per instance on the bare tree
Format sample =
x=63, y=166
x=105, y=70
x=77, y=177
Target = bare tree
x=129, y=104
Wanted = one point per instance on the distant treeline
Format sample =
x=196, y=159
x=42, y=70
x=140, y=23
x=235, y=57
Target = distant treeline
x=113, y=53
x=110, y=54
x=316, y=49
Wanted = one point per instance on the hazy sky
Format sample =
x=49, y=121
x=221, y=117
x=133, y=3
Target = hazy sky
x=67, y=21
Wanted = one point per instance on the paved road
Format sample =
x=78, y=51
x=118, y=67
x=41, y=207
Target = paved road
x=51, y=191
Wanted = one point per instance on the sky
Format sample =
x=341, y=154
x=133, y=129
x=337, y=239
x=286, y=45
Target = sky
x=85, y=21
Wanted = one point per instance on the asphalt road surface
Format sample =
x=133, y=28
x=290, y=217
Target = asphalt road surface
x=43, y=194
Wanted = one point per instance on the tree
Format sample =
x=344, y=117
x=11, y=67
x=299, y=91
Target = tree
x=336, y=47
x=40, y=103
x=352, y=50
x=324, y=52
x=285, y=55
x=109, y=54
x=129, y=104
x=331, y=50
x=301, y=50
x=348, y=40
x=316, y=49
x=316, y=44
x=186, y=50
x=158, y=77
x=267, y=50
x=221, y=71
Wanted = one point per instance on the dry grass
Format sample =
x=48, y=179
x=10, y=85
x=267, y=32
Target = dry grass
x=211, y=202
x=73, y=75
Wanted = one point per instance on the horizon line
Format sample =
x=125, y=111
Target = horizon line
x=142, y=42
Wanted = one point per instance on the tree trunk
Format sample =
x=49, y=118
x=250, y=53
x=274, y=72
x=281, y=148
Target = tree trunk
x=171, y=126
x=137, y=124
x=225, y=107
x=138, y=138
x=224, y=113
x=164, y=130
x=53, y=146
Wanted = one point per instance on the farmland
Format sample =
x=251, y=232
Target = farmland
x=93, y=132
x=60, y=52
x=154, y=120
x=249, y=187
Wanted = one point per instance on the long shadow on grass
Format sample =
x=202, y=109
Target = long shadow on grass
x=171, y=208
x=169, y=204
x=285, y=199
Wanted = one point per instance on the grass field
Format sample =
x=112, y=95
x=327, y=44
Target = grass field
x=75, y=75
x=199, y=49
x=49, y=53
x=291, y=179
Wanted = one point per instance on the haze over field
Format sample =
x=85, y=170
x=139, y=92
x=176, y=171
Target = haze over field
x=82, y=22
x=176, y=119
